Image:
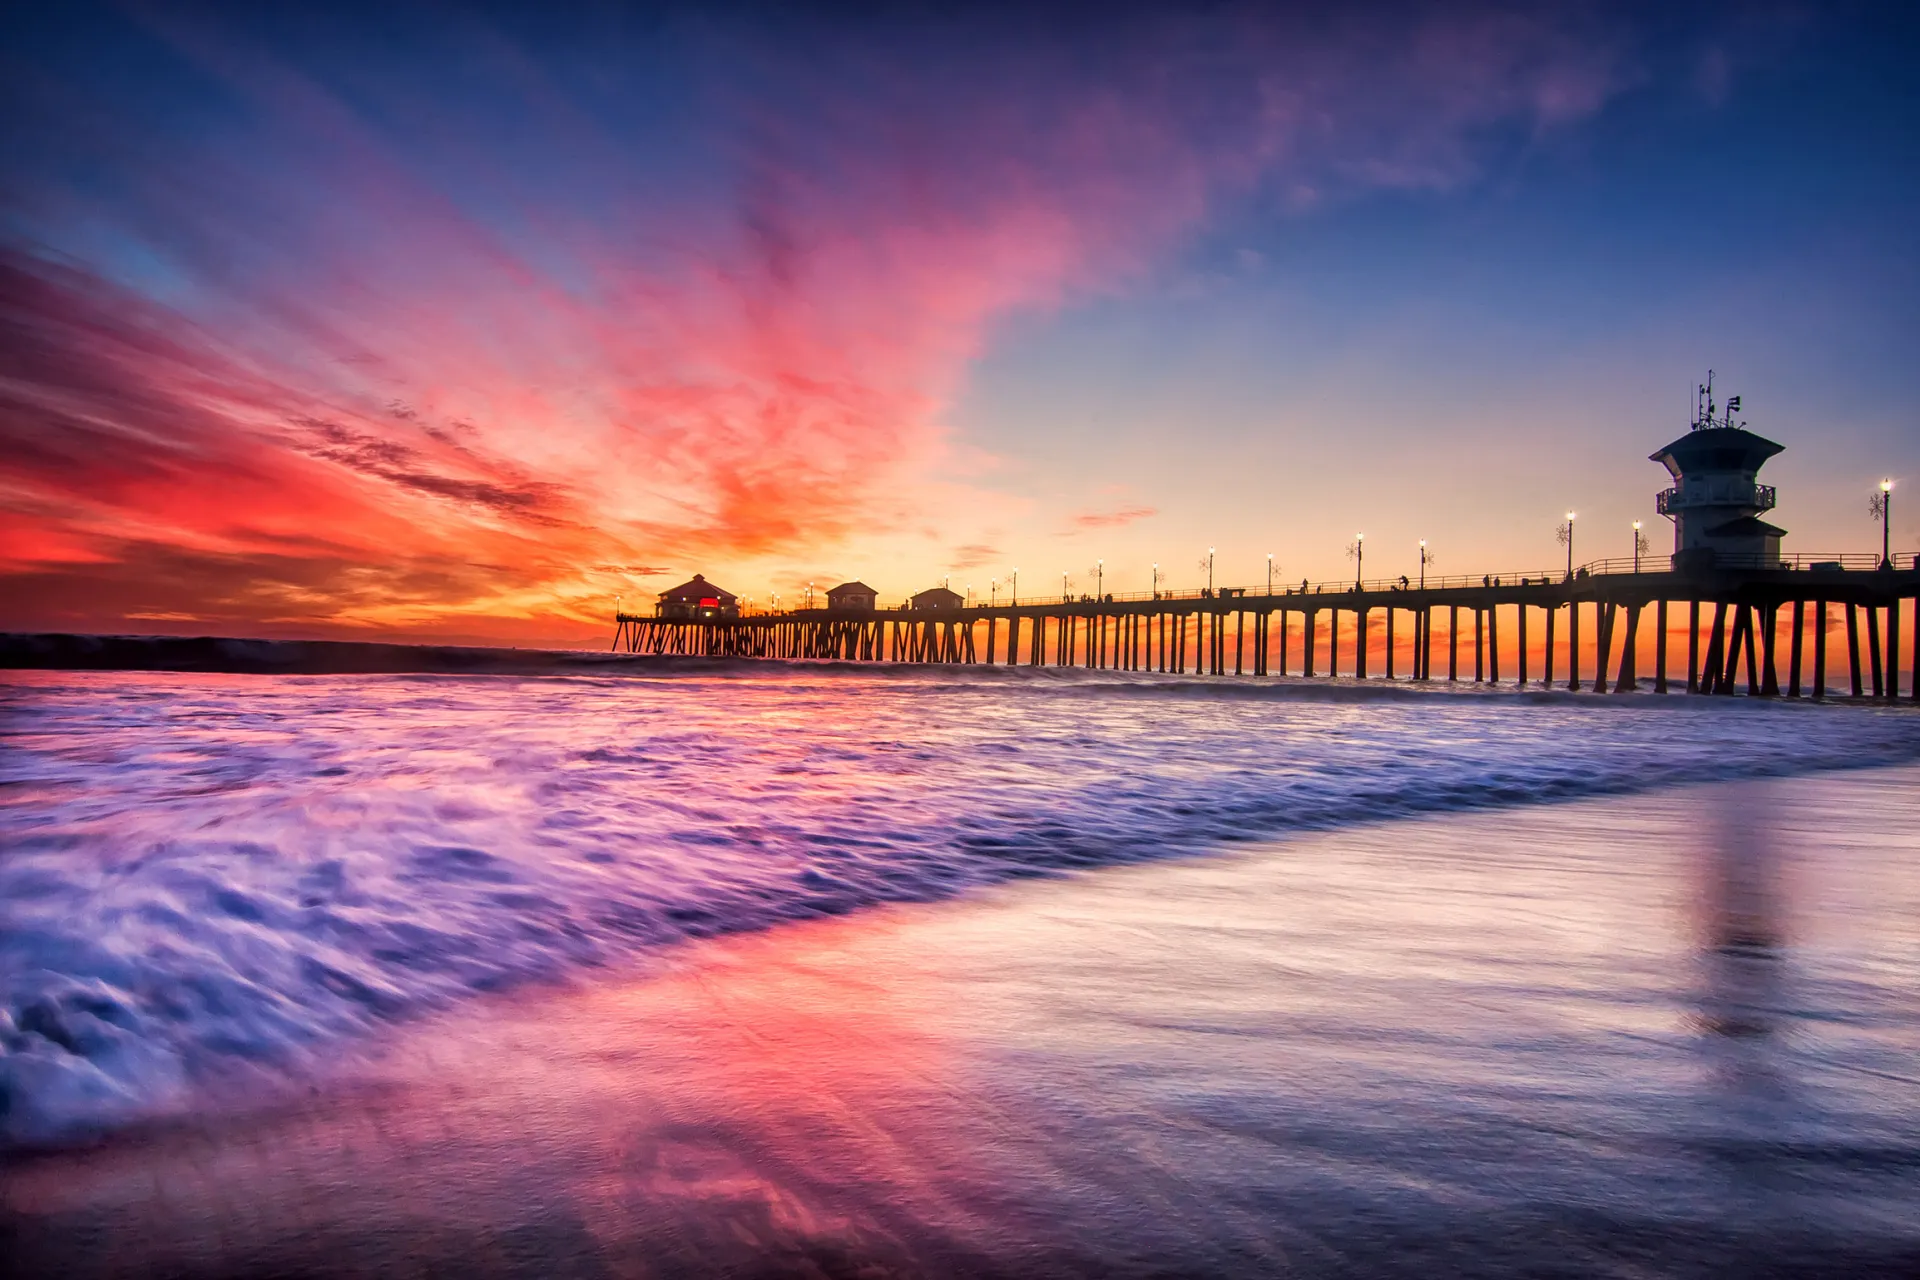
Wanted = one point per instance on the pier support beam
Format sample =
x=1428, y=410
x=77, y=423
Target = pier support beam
x=1873, y=646
x=1820, y=650
x=1573, y=646
x=1603, y=614
x=1660, y=648
x=1769, y=676
x=1546, y=655
x=1853, y=645
x=1795, y=649
x=1627, y=679
x=1709, y=680
x=1493, y=643
x=1893, y=649
x=1523, y=644
x=1693, y=646
x=1747, y=619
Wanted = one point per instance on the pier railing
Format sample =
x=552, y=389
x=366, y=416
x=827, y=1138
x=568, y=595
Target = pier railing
x=1614, y=566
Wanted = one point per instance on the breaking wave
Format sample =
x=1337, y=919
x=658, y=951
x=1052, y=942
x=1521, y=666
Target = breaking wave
x=203, y=870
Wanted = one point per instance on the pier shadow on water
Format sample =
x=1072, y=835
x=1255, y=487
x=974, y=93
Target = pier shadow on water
x=1663, y=1035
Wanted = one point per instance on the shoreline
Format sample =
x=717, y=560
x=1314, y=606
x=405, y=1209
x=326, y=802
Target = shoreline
x=1477, y=1043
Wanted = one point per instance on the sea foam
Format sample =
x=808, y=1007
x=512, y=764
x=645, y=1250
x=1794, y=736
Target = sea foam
x=208, y=870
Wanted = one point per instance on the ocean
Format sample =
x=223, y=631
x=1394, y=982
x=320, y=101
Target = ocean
x=1382, y=962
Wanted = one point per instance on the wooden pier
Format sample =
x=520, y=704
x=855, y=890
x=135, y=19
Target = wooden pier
x=1713, y=631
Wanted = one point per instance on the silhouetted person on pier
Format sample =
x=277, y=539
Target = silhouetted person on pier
x=1404, y=584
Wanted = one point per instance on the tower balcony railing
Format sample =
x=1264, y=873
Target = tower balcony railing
x=1758, y=496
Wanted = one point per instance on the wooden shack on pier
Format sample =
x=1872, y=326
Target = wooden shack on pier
x=852, y=597
x=698, y=598
x=937, y=598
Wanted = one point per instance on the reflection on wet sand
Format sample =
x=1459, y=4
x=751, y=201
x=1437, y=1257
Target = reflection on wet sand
x=1548, y=1041
x=1744, y=951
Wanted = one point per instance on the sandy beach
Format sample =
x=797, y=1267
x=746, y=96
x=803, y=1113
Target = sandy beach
x=1670, y=1034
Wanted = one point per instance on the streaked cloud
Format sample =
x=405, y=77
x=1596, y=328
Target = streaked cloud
x=341, y=363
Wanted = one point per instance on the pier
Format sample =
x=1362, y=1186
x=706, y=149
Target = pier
x=1726, y=602
x=1768, y=629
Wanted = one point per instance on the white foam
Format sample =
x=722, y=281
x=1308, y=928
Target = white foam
x=208, y=869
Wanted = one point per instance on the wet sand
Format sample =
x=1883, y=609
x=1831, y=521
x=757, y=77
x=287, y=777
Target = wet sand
x=1672, y=1034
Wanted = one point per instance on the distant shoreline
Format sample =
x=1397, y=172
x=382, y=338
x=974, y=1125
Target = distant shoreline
x=57, y=651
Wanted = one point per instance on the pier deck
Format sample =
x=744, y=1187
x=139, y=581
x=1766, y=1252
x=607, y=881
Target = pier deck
x=1726, y=620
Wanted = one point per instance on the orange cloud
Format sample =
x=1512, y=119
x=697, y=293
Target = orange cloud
x=314, y=373
x=1107, y=519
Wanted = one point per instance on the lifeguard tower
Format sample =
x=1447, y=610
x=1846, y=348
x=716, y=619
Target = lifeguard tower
x=1716, y=499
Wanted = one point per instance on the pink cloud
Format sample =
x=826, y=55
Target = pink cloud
x=1109, y=519
x=370, y=396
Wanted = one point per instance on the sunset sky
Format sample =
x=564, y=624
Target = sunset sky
x=457, y=323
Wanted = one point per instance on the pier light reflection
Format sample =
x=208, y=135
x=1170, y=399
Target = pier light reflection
x=1743, y=959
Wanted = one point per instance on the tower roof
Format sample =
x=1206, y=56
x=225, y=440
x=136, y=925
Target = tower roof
x=1716, y=449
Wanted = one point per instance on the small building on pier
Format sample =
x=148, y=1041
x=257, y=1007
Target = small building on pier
x=1716, y=499
x=937, y=598
x=852, y=597
x=697, y=598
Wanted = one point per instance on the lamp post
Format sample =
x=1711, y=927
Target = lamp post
x=1016, y=589
x=1063, y=586
x=1209, y=571
x=993, y=591
x=1359, y=550
x=1639, y=545
x=1882, y=508
x=1099, y=579
x=1565, y=534
x=1269, y=573
x=1423, y=564
x=1156, y=579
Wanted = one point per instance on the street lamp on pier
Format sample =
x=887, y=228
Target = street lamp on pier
x=993, y=591
x=1099, y=579
x=1016, y=589
x=1565, y=534
x=1882, y=508
x=1269, y=573
x=1209, y=572
x=1425, y=557
x=1358, y=550
x=1156, y=579
x=1639, y=545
